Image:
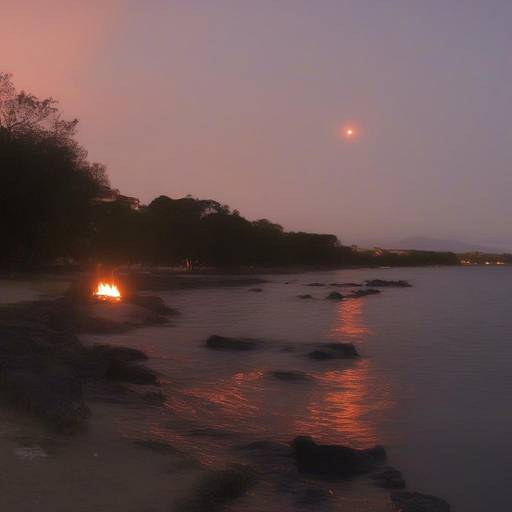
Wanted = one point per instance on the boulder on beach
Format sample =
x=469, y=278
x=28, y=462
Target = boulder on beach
x=334, y=461
x=153, y=303
x=226, y=343
x=216, y=489
x=381, y=283
x=326, y=351
x=46, y=370
x=334, y=296
x=417, y=502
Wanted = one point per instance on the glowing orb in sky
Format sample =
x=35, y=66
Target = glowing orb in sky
x=348, y=132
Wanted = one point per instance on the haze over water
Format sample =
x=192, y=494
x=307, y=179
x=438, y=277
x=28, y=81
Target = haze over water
x=432, y=385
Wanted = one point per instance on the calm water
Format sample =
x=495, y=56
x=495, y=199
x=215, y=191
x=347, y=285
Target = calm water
x=434, y=384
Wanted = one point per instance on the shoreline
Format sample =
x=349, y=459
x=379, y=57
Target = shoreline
x=103, y=394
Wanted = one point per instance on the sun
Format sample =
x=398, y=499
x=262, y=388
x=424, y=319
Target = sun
x=348, y=131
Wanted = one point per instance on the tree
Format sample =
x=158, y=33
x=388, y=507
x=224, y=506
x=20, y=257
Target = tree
x=47, y=186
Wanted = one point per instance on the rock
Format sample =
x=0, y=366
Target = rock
x=333, y=460
x=314, y=497
x=255, y=290
x=47, y=388
x=153, y=303
x=124, y=371
x=315, y=284
x=417, y=502
x=334, y=296
x=217, y=488
x=364, y=293
x=290, y=376
x=266, y=448
x=334, y=351
x=120, y=364
x=226, y=343
x=381, y=283
x=305, y=296
x=157, y=446
x=389, y=478
x=126, y=354
x=154, y=397
x=346, y=284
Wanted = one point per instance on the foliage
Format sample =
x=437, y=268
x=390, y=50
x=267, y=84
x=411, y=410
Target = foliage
x=55, y=205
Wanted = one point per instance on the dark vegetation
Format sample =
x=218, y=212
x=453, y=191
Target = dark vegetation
x=57, y=207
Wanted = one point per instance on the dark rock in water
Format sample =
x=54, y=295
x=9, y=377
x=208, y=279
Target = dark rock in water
x=153, y=303
x=313, y=497
x=334, y=351
x=315, y=284
x=389, y=478
x=334, y=296
x=364, y=293
x=266, y=448
x=154, y=397
x=217, y=488
x=353, y=285
x=120, y=370
x=158, y=446
x=120, y=364
x=381, y=283
x=255, y=290
x=225, y=343
x=333, y=461
x=305, y=296
x=126, y=354
x=290, y=376
x=417, y=502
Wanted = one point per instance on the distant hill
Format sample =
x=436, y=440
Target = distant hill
x=433, y=244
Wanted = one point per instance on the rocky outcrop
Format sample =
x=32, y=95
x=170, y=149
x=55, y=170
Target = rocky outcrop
x=217, y=489
x=326, y=351
x=389, y=478
x=381, y=283
x=45, y=370
x=225, y=343
x=334, y=296
x=334, y=460
x=417, y=502
x=290, y=375
x=363, y=293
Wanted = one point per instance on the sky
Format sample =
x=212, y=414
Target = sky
x=245, y=102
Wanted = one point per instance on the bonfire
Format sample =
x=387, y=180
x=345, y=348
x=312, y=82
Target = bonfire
x=107, y=292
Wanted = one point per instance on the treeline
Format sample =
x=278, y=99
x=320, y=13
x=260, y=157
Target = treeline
x=56, y=206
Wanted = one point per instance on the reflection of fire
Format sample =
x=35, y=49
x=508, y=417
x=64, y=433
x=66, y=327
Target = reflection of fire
x=107, y=292
x=349, y=322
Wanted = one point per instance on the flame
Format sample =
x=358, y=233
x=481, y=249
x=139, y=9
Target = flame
x=107, y=292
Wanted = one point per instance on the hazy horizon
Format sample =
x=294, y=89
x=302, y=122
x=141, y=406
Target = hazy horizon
x=243, y=102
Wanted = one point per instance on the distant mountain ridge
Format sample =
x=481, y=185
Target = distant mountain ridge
x=433, y=244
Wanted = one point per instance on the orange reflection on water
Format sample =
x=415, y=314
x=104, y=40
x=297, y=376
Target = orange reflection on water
x=350, y=407
x=349, y=320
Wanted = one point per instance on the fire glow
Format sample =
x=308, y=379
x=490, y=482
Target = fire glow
x=107, y=292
